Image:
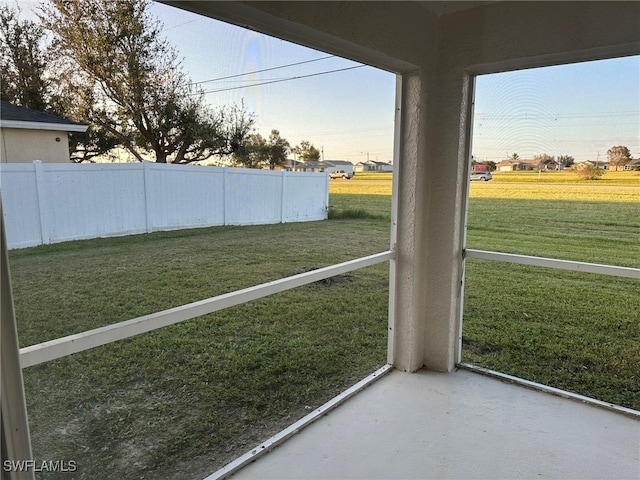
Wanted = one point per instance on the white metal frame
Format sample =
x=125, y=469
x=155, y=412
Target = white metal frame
x=393, y=237
x=570, y=265
x=554, y=263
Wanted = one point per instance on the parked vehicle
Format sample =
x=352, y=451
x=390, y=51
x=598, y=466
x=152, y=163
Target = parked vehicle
x=341, y=174
x=484, y=176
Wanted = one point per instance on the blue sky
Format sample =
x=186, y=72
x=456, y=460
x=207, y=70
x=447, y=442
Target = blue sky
x=579, y=110
x=347, y=114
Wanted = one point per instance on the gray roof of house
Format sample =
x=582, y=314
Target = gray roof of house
x=315, y=164
x=338, y=162
x=10, y=113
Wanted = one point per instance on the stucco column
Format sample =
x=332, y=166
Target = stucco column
x=448, y=131
x=431, y=195
x=410, y=189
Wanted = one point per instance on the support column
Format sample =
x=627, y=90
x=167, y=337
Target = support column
x=431, y=195
x=449, y=131
x=409, y=184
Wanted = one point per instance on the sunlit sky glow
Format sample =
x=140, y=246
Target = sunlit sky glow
x=580, y=110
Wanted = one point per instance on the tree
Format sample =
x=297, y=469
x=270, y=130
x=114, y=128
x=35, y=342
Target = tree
x=252, y=152
x=306, y=152
x=515, y=157
x=23, y=61
x=618, y=157
x=237, y=124
x=139, y=93
x=566, y=160
x=75, y=101
x=491, y=166
x=277, y=149
x=258, y=152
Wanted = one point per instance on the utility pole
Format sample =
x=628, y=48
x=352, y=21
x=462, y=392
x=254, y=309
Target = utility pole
x=322, y=152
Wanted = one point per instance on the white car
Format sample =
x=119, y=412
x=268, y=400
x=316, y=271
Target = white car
x=341, y=174
x=485, y=176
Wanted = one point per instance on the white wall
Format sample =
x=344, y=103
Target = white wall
x=48, y=203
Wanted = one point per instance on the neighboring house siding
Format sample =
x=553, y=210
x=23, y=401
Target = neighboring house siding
x=507, y=166
x=327, y=166
x=27, y=135
x=25, y=146
x=372, y=166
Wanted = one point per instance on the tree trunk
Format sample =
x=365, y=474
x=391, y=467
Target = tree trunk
x=161, y=157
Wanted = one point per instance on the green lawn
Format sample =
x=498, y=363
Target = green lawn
x=186, y=399
x=578, y=332
x=191, y=397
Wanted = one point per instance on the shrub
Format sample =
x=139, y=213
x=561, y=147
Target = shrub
x=586, y=171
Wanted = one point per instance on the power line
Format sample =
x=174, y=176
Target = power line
x=263, y=70
x=281, y=80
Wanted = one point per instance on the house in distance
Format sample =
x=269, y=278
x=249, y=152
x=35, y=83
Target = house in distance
x=27, y=135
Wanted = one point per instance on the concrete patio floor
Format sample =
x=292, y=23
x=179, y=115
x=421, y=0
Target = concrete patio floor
x=461, y=425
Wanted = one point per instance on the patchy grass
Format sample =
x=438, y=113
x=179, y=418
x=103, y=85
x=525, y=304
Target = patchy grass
x=353, y=213
x=578, y=332
x=182, y=401
x=343, y=205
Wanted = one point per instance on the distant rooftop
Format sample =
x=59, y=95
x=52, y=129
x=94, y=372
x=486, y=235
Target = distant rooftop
x=13, y=116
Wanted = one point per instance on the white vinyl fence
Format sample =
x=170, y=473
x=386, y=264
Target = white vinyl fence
x=48, y=202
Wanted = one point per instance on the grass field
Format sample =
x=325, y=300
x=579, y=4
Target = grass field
x=184, y=400
x=579, y=332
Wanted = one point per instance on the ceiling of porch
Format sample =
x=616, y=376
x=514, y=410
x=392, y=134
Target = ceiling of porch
x=444, y=8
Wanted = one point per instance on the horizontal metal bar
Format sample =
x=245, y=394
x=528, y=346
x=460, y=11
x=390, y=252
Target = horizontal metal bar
x=61, y=347
x=552, y=263
x=288, y=432
x=552, y=390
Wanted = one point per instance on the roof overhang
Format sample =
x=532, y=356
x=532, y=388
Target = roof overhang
x=58, y=127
